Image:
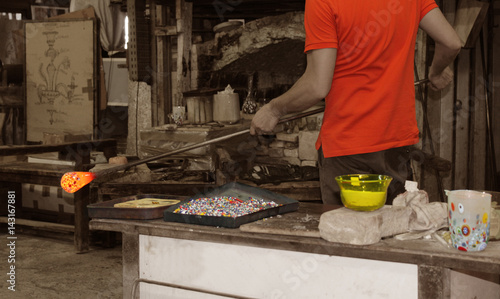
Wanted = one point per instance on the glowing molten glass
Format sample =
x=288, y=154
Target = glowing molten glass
x=74, y=181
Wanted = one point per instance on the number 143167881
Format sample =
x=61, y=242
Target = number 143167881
x=11, y=209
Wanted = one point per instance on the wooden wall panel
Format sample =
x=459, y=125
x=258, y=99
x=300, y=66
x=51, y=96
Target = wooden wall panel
x=471, y=15
x=447, y=102
x=461, y=137
x=477, y=171
x=420, y=64
x=184, y=13
x=495, y=86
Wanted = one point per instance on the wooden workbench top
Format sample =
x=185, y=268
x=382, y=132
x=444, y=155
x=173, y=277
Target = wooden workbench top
x=33, y=173
x=68, y=146
x=282, y=234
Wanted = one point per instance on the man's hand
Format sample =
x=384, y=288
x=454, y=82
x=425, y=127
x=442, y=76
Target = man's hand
x=441, y=80
x=264, y=120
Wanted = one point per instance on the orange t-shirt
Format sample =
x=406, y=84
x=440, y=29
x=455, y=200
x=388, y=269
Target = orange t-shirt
x=371, y=104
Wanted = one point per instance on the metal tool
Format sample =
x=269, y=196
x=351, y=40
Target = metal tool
x=420, y=82
x=74, y=181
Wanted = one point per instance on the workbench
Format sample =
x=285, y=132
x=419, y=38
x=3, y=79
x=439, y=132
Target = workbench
x=284, y=257
x=21, y=172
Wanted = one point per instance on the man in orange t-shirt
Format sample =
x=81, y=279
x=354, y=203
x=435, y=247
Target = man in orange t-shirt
x=360, y=58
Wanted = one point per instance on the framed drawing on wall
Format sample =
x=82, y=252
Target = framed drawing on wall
x=60, y=78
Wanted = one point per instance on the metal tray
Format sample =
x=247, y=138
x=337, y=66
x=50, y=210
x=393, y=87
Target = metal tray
x=238, y=190
x=106, y=209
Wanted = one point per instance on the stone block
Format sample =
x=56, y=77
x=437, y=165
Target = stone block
x=307, y=149
x=277, y=144
x=291, y=145
x=139, y=114
x=262, y=151
x=363, y=228
x=291, y=152
x=279, y=128
x=257, y=35
x=395, y=220
x=275, y=152
x=291, y=160
x=309, y=163
x=293, y=137
x=350, y=227
x=269, y=161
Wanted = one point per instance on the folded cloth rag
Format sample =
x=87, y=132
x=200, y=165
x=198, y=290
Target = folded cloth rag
x=425, y=216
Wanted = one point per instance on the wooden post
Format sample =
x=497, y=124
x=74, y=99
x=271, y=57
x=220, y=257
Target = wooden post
x=470, y=161
x=162, y=84
x=130, y=260
x=478, y=164
x=168, y=102
x=184, y=16
x=494, y=79
x=433, y=282
x=156, y=63
x=462, y=121
x=420, y=60
x=81, y=202
x=493, y=176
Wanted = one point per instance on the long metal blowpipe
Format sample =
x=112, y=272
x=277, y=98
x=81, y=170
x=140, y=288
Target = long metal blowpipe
x=75, y=180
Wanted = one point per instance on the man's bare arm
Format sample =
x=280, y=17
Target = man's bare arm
x=312, y=87
x=447, y=47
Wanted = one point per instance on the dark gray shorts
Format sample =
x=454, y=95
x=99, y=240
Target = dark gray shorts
x=394, y=162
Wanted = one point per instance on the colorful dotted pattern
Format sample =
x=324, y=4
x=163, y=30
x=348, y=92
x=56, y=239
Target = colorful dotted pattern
x=74, y=181
x=468, y=233
x=224, y=206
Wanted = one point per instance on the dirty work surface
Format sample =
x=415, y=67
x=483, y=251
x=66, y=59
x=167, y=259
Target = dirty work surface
x=303, y=222
x=50, y=268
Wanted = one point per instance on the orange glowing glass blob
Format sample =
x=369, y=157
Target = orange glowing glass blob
x=74, y=181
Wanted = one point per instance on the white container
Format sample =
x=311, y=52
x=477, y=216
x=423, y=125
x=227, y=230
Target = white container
x=469, y=219
x=179, y=114
x=226, y=108
x=199, y=109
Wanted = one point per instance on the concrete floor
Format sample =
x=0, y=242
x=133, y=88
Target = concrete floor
x=48, y=267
